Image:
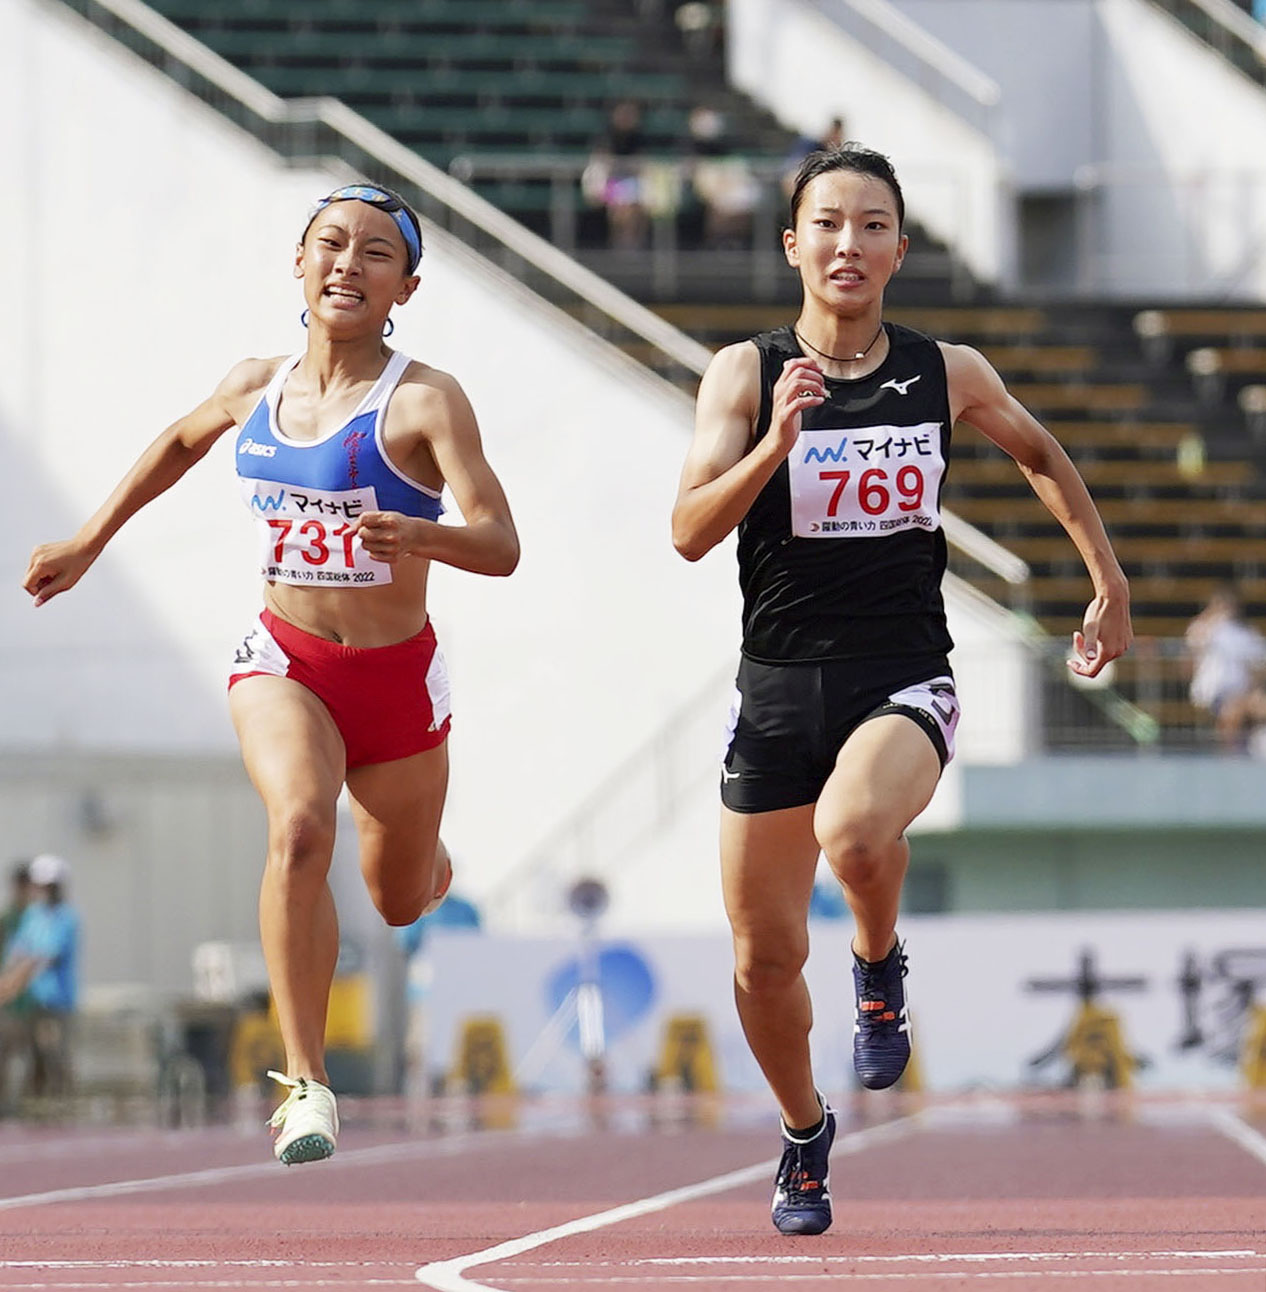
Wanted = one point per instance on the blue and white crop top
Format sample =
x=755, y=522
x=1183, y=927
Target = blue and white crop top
x=306, y=494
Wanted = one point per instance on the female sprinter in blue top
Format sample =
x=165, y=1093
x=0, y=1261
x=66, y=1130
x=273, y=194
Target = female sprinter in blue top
x=825, y=444
x=342, y=453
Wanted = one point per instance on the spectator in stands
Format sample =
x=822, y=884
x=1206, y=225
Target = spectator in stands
x=722, y=181
x=831, y=138
x=701, y=25
x=19, y=898
x=613, y=176
x=12, y=1027
x=1228, y=677
x=42, y=960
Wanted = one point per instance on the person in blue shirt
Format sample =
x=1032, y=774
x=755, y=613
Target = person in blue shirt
x=42, y=961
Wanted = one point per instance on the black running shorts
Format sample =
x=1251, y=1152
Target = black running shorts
x=789, y=721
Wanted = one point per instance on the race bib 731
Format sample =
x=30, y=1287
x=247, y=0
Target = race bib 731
x=306, y=534
x=865, y=482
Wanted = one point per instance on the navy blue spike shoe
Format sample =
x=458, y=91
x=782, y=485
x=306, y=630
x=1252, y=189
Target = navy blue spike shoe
x=802, y=1201
x=881, y=1029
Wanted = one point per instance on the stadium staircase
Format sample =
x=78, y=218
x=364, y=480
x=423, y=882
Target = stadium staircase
x=1163, y=410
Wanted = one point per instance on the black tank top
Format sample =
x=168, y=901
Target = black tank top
x=842, y=553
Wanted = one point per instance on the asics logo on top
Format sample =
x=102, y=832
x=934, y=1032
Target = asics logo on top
x=727, y=775
x=257, y=450
x=901, y=387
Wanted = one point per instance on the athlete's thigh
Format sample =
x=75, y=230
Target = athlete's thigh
x=397, y=808
x=768, y=860
x=884, y=776
x=292, y=750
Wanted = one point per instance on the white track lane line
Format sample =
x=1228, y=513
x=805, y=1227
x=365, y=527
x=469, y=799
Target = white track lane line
x=935, y=1281
x=1235, y=1128
x=446, y=1147
x=919, y=1258
x=448, y=1276
x=234, y=1283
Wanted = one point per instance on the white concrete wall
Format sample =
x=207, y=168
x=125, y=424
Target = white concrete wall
x=1198, y=221
x=1040, y=52
x=1171, y=133
x=791, y=57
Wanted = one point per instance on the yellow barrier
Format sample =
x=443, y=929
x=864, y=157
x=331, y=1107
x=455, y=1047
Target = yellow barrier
x=686, y=1061
x=1095, y=1049
x=257, y=1045
x=483, y=1065
x=1253, y=1054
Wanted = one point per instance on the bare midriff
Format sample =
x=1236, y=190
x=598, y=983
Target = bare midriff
x=359, y=617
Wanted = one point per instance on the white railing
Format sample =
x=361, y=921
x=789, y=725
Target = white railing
x=901, y=42
x=1228, y=20
x=316, y=128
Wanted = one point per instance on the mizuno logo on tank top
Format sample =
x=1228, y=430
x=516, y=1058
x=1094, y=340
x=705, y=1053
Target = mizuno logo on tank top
x=306, y=495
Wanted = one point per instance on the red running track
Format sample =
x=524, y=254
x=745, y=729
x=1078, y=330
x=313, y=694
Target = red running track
x=996, y=1195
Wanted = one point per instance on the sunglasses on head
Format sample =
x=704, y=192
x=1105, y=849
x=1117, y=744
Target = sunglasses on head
x=386, y=202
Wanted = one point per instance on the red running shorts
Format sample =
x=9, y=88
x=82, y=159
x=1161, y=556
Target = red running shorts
x=387, y=702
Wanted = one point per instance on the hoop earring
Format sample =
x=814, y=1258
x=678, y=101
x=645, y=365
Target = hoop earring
x=390, y=326
x=303, y=318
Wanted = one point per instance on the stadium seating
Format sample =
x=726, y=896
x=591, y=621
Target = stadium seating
x=458, y=77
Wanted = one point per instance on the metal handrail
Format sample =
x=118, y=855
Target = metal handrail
x=1229, y=17
x=984, y=550
x=1225, y=28
x=937, y=55
x=900, y=42
x=299, y=118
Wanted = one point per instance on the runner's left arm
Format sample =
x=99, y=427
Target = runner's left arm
x=486, y=542
x=979, y=397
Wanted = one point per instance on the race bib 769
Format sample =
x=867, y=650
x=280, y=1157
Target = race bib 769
x=865, y=482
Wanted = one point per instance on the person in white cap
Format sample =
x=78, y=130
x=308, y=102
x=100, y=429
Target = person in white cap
x=42, y=960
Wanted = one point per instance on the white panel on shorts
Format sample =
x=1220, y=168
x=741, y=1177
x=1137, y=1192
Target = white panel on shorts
x=437, y=687
x=938, y=699
x=731, y=722
x=259, y=653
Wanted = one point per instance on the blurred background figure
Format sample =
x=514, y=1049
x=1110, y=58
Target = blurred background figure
x=831, y=138
x=1228, y=669
x=41, y=961
x=701, y=26
x=12, y=1029
x=19, y=897
x=613, y=177
x=723, y=181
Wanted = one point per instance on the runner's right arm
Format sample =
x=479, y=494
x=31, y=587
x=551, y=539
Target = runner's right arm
x=724, y=473
x=55, y=567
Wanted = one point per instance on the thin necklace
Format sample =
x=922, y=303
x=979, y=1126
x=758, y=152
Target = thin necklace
x=835, y=358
